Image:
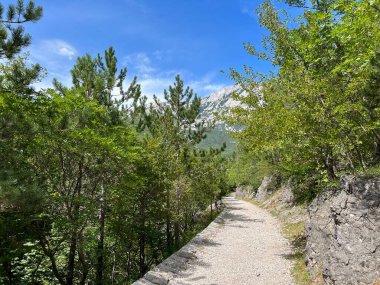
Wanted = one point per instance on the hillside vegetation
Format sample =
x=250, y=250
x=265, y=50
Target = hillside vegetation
x=318, y=115
x=96, y=185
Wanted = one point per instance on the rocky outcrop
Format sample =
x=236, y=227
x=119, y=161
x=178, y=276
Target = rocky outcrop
x=343, y=233
x=287, y=196
x=244, y=191
x=267, y=187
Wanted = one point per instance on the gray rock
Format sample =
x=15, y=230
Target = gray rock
x=343, y=233
x=143, y=281
x=186, y=254
x=157, y=277
x=244, y=191
x=267, y=187
x=287, y=195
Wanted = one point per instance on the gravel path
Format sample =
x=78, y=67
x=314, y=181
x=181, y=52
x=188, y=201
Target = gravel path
x=244, y=246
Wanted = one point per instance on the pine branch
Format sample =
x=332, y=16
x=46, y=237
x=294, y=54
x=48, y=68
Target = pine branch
x=14, y=22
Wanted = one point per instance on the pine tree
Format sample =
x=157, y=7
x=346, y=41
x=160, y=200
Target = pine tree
x=20, y=200
x=177, y=118
x=12, y=35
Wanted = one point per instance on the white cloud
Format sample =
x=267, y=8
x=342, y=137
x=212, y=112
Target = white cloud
x=214, y=87
x=53, y=53
x=154, y=81
x=247, y=8
x=206, y=84
x=56, y=56
x=141, y=62
x=67, y=51
x=163, y=55
x=155, y=86
x=58, y=47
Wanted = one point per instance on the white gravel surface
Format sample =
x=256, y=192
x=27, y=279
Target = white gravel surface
x=244, y=246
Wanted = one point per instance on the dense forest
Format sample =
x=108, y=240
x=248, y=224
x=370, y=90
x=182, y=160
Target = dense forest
x=317, y=116
x=96, y=184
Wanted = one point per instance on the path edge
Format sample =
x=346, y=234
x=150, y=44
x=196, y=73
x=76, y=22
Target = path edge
x=178, y=261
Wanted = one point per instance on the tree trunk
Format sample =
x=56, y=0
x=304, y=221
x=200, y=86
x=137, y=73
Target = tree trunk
x=71, y=259
x=168, y=224
x=7, y=266
x=142, y=264
x=82, y=259
x=142, y=238
x=177, y=196
x=330, y=167
x=73, y=218
x=361, y=159
x=48, y=252
x=73, y=247
x=176, y=221
x=100, y=247
x=186, y=219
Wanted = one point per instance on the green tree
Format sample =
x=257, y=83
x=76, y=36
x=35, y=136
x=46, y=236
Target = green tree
x=315, y=115
x=177, y=118
x=17, y=186
x=89, y=176
x=12, y=35
x=95, y=80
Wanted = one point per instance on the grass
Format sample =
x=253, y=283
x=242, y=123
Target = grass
x=256, y=203
x=295, y=233
x=373, y=171
x=299, y=270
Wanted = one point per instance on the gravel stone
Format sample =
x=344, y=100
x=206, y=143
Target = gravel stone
x=245, y=247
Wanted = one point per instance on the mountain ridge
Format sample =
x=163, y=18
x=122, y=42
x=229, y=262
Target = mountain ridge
x=213, y=106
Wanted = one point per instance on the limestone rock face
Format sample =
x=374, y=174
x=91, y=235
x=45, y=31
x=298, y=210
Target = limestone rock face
x=267, y=187
x=343, y=233
x=244, y=191
x=287, y=195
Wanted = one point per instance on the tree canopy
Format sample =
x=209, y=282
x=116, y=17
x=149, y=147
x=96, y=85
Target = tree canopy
x=95, y=185
x=317, y=115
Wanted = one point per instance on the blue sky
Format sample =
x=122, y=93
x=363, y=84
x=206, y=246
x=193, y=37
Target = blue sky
x=154, y=39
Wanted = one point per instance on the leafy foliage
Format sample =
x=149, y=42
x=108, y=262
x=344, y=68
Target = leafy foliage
x=91, y=180
x=318, y=114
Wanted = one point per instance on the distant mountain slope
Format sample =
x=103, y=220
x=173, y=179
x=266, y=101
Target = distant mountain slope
x=218, y=103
